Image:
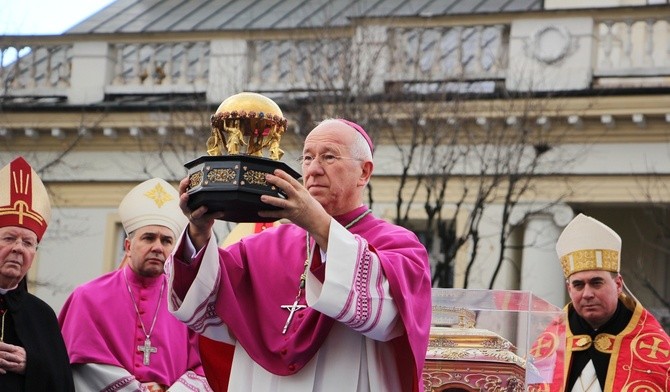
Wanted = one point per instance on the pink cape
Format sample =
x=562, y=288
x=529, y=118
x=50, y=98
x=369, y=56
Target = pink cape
x=99, y=325
x=265, y=268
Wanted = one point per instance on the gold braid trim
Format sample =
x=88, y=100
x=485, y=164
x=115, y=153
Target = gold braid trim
x=590, y=259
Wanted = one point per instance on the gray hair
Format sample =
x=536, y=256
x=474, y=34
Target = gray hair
x=360, y=149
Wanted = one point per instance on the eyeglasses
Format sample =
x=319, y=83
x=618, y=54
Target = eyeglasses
x=323, y=159
x=27, y=243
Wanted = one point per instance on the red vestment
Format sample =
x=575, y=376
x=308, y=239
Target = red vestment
x=639, y=355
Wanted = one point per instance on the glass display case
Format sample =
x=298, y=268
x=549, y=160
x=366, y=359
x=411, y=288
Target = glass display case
x=493, y=340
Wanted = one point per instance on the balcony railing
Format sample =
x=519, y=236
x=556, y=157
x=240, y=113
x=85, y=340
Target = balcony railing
x=159, y=67
x=314, y=64
x=449, y=53
x=624, y=48
x=36, y=70
x=633, y=47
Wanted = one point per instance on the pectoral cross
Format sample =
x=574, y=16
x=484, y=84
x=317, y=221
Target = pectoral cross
x=292, y=309
x=147, y=349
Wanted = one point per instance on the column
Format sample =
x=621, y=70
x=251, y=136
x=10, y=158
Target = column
x=86, y=86
x=541, y=273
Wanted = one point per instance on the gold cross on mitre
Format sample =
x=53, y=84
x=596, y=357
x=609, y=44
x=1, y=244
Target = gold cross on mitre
x=158, y=195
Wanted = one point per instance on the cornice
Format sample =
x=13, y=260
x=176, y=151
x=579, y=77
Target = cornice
x=614, y=189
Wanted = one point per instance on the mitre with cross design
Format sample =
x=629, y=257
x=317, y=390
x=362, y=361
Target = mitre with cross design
x=24, y=200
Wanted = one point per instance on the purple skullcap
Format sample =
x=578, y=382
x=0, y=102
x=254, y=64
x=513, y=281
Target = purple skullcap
x=360, y=130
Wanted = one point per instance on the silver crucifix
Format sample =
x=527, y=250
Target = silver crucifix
x=147, y=349
x=292, y=309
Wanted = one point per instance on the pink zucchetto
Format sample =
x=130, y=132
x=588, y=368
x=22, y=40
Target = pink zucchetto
x=360, y=130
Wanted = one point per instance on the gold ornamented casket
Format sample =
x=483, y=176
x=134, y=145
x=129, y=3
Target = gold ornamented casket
x=484, y=340
x=243, y=147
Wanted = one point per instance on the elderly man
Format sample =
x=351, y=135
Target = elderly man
x=336, y=300
x=33, y=357
x=117, y=328
x=613, y=343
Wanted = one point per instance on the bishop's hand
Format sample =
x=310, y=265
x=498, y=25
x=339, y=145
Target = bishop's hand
x=299, y=206
x=12, y=358
x=153, y=387
x=200, y=221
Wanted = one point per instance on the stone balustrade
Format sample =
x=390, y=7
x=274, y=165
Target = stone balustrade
x=304, y=64
x=633, y=47
x=36, y=69
x=449, y=53
x=375, y=57
x=138, y=66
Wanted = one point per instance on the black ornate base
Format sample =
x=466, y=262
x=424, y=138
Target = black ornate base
x=233, y=184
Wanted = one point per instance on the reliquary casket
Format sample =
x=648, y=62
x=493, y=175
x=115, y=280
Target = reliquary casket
x=487, y=340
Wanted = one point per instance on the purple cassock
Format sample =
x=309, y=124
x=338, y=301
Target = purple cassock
x=262, y=269
x=100, y=325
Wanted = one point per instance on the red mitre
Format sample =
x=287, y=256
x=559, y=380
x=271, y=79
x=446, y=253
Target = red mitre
x=24, y=201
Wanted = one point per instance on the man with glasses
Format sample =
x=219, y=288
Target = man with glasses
x=33, y=357
x=336, y=300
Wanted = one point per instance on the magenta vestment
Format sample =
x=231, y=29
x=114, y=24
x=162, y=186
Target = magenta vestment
x=262, y=271
x=100, y=325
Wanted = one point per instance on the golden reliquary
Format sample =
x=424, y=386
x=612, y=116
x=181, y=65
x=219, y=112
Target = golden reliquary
x=231, y=178
x=470, y=347
x=463, y=358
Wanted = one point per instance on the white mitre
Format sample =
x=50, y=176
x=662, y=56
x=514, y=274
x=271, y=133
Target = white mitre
x=153, y=202
x=587, y=244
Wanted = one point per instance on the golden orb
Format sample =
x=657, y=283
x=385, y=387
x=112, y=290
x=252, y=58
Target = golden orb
x=247, y=123
x=250, y=102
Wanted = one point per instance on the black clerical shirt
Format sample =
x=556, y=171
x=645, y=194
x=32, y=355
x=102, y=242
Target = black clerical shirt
x=579, y=326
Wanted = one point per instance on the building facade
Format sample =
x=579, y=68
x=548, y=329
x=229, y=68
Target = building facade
x=565, y=100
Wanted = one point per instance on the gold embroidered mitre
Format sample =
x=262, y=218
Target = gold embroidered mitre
x=587, y=244
x=24, y=201
x=153, y=202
